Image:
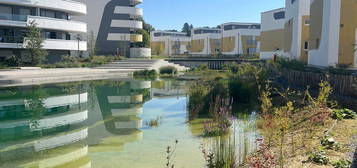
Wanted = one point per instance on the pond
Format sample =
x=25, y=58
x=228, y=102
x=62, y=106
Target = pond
x=105, y=124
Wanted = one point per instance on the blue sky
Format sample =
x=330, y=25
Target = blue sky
x=172, y=14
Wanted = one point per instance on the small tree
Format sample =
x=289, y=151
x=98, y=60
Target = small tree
x=91, y=44
x=187, y=29
x=34, y=44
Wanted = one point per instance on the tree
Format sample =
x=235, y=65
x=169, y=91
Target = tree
x=187, y=29
x=146, y=38
x=33, y=42
x=146, y=26
x=91, y=44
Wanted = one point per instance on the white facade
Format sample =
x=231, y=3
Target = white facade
x=295, y=9
x=172, y=40
x=271, y=22
x=327, y=53
x=53, y=17
x=206, y=35
x=247, y=29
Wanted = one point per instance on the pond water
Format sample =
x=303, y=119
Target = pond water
x=104, y=124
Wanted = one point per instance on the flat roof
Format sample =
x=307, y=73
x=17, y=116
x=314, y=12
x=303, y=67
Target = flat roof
x=274, y=10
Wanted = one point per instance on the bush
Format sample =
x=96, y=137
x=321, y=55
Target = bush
x=342, y=164
x=12, y=61
x=330, y=143
x=291, y=64
x=168, y=70
x=340, y=114
x=145, y=73
x=319, y=157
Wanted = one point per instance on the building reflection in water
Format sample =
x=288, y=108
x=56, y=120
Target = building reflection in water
x=73, y=125
x=36, y=121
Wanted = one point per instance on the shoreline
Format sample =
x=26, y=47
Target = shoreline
x=18, y=77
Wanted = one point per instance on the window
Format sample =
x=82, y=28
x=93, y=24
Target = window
x=5, y=13
x=306, y=45
x=279, y=15
x=292, y=1
x=252, y=50
x=48, y=13
x=307, y=22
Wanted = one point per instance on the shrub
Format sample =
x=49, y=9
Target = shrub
x=318, y=157
x=291, y=64
x=263, y=158
x=12, y=61
x=168, y=70
x=145, y=73
x=330, y=143
x=342, y=163
x=202, y=67
x=340, y=114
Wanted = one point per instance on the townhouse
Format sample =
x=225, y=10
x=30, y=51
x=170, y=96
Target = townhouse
x=169, y=43
x=206, y=41
x=333, y=36
x=272, y=33
x=240, y=38
x=296, y=29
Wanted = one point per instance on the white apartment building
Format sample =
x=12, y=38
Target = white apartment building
x=297, y=23
x=272, y=33
x=169, y=43
x=240, y=38
x=113, y=26
x=53, y=17
x=333, y=33
x=206, y=41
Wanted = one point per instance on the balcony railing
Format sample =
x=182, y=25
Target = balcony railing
x=69, y=6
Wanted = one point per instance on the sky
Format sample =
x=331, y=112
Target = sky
x=172, y=14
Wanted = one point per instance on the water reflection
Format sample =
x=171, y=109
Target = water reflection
x=99, y=124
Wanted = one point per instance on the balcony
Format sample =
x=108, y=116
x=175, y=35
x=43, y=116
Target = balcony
x=49, y=44
x=127, y=24
x=59, y=44
x=42, y=22
x=125, y=37
x=69, y=6
x=132, y=11
x=58, y=24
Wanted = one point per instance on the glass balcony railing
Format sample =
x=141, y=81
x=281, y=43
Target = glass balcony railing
x=11, y=39
x=13, y=17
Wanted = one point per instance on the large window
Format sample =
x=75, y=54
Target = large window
x=5, y=13
x=279, y=15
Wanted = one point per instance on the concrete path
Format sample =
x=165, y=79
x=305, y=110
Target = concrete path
x=21, y=77
x=118, y=69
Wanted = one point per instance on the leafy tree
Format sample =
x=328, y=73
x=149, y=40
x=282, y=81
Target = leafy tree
x=146, y=38
x=187, y=29
x=34, y=44
x=146, y=26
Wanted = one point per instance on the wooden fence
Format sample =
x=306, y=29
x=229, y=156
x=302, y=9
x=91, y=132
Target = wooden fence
x=345, y=85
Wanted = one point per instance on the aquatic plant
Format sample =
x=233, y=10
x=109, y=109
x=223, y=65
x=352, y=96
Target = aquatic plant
x=154, y=122
x=170, y=155
x=222, y=153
